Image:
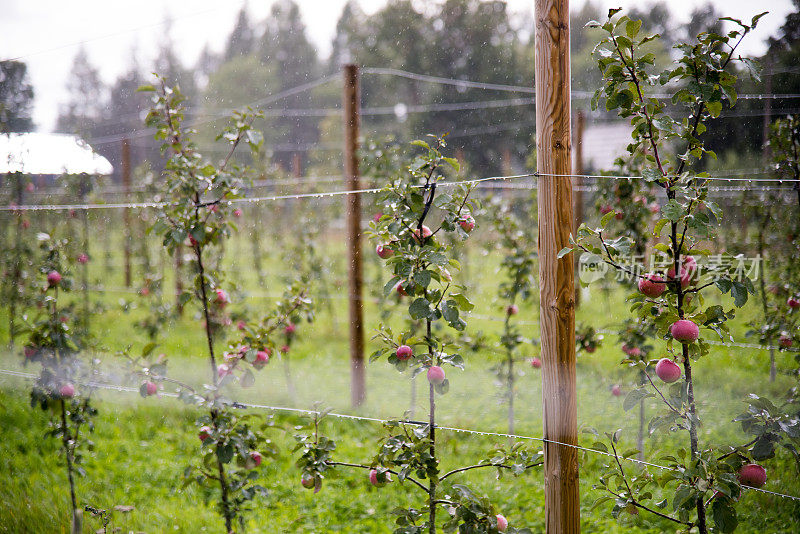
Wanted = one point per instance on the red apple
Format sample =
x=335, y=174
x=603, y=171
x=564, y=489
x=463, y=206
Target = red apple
x=290, y=328
x=379, y=481
x=223, y=370
x=241, y=325
x=222, y=297
x=652, y=285
x=426, y=233
x=590, y=349
x=285, y=349
x=67, y=391
x=83, y=259
x=401, y=290
x=205, y=433
x=467, y=223
x=53, y=278
x=502, y=523
x=512, y=310
x=256, y=457
x=616, y=390
x=785, y=341
x=151, y=388
x=383, y=251
x=753, y=475
x=793, y=303
x=262, y=357
x=536, y=363
x=307, y=480
x=605, y=209
x=667, y=370
x=404, y=352
x=685, y=331
x=237, y=213
x=435, y=375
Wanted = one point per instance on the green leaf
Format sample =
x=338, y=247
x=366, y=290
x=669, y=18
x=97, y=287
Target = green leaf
x=453, y=162
x=420, y=309
x=563, y=252
x=463, y=302
x=724, y=514
x=672, y=211
x=739, y=293
x=148, y=349
x=634, y=397
x=632, y=28
x=422, y=278
x=247, y=379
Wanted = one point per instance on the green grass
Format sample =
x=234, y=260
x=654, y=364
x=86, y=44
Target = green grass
x=141, y=446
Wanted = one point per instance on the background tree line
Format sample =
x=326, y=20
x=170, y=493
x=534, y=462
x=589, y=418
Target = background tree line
x=459, y=39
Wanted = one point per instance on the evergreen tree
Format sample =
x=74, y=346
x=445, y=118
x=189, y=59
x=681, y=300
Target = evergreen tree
x=16, y=97
x=84, y=107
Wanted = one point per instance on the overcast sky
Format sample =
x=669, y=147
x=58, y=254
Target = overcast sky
x=45, y=33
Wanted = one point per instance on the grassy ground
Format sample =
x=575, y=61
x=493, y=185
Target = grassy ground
x=141, y=446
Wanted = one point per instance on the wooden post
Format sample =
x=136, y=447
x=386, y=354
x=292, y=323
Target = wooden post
x=577, y=182
x=767, y=109
x=350, y=105
x=556, y=276
x=126, y=214
x=179, y=279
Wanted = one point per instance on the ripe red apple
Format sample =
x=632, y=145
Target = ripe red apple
x=685, y=331
x=262, y=357
x=192, y=241
x=237, y=213
x=83, y=259
x=241, y=325
x=377, y=216
x=290, y=328
x=536, y=363
x=67, y=391
x=753, y=475
x=222, y=297
x=652, y=286
x=631, y=351
x=467, y=223
x=285, y=349
x=383, y=251
x=435, y=375
x=619, y=216
x=667, y=370
x=616, y=390
x=606, y=209
x=379, y=481
x=401, y=290
x=426, y=233
x=307, y=481
x=205, y=433
x=512, y=310
x=793, y=303
x=404, y=352
x=256, y=457
x=590, y=349
x=53, y=278
x=785, y=341
x=502, y=523
x=151, y=388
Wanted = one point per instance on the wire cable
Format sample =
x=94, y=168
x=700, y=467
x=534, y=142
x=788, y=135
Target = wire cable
x=241, y=405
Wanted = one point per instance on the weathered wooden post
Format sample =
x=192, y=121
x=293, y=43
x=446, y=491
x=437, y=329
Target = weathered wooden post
x=126, y=214
x=351, y=108
x=556, y=276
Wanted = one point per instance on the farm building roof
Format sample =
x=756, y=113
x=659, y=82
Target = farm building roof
x=50, y=154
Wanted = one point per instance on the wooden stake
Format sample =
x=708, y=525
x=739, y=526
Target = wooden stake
x=580, y=119
x=556, y=276
x=350, y=105
x=126, y=185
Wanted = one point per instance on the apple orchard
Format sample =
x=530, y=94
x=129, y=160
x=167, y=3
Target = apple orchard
x=413, y=347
